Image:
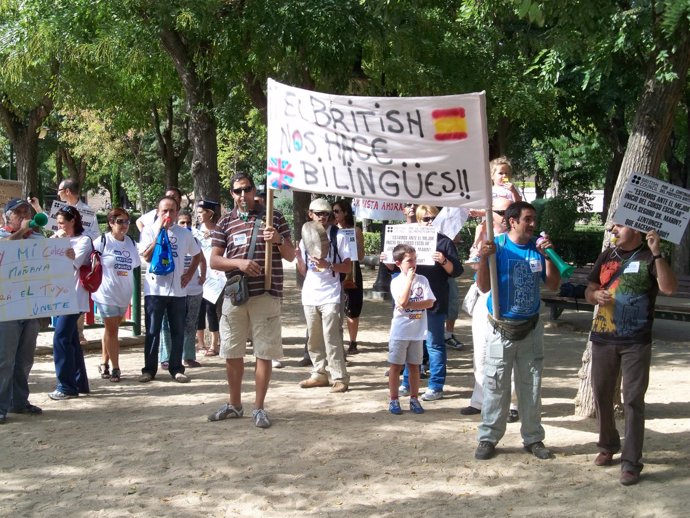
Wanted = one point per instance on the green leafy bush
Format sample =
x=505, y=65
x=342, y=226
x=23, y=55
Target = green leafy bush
x=372, y=243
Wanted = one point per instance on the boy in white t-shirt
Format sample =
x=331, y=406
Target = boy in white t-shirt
x=413, y=296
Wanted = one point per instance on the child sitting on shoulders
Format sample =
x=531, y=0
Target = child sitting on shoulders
x=412, y=296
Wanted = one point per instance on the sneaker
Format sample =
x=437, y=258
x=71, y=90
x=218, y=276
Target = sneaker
x=485, y=450
x=145, y=377
x=454, y=343
x=513, y=416
x=432, y=395
x=192, y=364
x=403, y=390
x=165, y=365
x=261, y=418
x=339, y=387
x=629, y=478
x=182, y=378
x=394, y=407
x=276, y=365
x=56, y=395
x=227, y=411
x=28, y=409
x=538, y=450
x=470, y=410
x=305, y=362
x=605, y=458
x=352, y=349
x=416, y=406
x=313, y=382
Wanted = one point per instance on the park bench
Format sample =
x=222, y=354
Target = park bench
x=675, y=307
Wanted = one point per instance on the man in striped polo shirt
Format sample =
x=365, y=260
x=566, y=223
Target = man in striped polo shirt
x=259, y=317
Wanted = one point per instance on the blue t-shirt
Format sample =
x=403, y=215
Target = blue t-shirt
x=520, y=267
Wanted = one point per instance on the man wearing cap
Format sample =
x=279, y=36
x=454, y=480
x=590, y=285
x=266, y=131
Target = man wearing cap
x=18, y=341
x=321, y=298
x=260, y=314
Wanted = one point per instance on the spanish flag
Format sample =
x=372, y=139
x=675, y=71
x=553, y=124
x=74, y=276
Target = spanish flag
x=450, y=124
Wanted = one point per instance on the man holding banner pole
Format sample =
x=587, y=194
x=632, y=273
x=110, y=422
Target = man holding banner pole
x=514, y=332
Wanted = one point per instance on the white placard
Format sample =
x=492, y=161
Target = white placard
x=450, y=220
x=378, y=210
x=350, y=238
x=648, y=203
x=88, y=219
x=214, y=285
x=424, y=150
x=36, y=279
x=422, y=238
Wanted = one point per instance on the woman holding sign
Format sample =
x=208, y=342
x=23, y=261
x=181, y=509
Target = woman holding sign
x=67, y=354
x=352, y=285
x=119, y=257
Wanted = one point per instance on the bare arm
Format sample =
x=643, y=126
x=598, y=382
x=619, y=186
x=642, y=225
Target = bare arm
x=668, y=283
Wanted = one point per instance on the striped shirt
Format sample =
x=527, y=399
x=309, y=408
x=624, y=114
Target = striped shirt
x=233, y=235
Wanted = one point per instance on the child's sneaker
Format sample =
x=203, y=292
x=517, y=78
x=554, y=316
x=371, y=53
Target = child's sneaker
x=416, y=406
x=403, y=390
x=394, y=407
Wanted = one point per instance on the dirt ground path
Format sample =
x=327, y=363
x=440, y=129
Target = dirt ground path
x=147, y=450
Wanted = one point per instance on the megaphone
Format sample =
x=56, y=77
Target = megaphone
x=39, y=220
x=563, y=268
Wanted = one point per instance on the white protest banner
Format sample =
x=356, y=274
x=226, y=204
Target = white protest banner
x=36, y=279
x=422, y=238
x=648, y=203
x=426, y=150
x=88, y=218
x=378, y=210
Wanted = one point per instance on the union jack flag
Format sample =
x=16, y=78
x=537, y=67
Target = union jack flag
x=280, y=175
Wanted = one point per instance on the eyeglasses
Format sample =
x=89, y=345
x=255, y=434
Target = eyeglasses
x=122, y=221
x=61, y=189
x=427, y=219
x=322, y=214
x=500, y=212
x=241, y=190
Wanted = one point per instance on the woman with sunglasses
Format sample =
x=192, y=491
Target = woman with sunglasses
x=352, y=285
x=446, y=264
x=119, y=258
x=67, y=354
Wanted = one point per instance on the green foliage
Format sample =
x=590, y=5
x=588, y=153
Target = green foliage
x=559, y=217
x=284, y=205
x=372, y=243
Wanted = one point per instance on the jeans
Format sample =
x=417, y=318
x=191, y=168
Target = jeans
x=70, y=368
x=325, y=342
x=525, y=360
x=193, y=303
x=634, y=360
x=175, y=308
x=16, y=359
x=436, y=347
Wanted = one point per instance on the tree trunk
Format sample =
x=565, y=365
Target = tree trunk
x=171, y=155
x=617, y=136
x=23, y=134
x=199, y=107
x=648, y=139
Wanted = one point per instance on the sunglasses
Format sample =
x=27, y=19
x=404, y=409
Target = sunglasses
x=500, y=212
x=122, y=221
x=427, y=219
x=322, y=214
x=337, y=211
x=241, y=190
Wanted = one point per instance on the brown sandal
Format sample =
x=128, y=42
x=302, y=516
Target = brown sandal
x=211, y=352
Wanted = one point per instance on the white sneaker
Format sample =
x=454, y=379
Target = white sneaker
x=181, y=378
x=276, y=364
x=432, y=395
x=403, y=390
